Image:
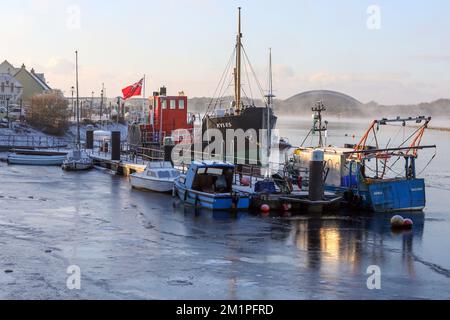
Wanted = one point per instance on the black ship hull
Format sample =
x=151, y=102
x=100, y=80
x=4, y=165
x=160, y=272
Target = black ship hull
x=250, y=120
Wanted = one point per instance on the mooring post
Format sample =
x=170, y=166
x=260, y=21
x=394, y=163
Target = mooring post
x=168, y=148
x=316, y=183
x=115, y=145
x=90, y=140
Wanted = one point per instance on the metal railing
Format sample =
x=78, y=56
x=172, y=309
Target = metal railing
x=35, y=142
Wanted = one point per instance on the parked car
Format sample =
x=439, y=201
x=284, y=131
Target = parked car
x=15, y=112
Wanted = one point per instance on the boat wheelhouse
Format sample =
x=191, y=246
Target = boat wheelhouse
x=209, y=185
x=168, y=119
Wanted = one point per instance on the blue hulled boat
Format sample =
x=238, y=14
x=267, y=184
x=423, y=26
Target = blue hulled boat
x=209, y=185
x=373, y=178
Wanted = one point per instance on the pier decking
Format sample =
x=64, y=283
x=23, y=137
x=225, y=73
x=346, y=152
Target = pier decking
x=122, y=167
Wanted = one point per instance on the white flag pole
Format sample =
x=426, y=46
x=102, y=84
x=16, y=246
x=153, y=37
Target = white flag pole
x=143, y=103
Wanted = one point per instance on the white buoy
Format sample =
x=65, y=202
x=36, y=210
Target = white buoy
x=397, y=221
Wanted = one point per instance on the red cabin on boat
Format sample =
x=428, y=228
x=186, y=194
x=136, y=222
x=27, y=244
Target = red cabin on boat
x=166, y=115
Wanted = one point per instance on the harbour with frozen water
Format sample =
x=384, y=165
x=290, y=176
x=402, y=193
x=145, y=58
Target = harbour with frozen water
x=131, y=244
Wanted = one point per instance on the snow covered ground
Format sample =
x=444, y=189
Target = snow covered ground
x=20, y=129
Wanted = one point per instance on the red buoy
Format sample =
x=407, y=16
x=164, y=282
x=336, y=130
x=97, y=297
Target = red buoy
x=408, y=223
x=265, y=208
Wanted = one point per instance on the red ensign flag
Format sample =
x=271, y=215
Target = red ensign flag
x=133, y=90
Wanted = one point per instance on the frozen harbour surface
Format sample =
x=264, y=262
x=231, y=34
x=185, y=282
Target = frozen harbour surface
x=136, y=245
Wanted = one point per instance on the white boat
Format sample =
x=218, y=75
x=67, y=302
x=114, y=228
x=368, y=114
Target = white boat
x=36, y=158
x=77, y=160
x=158, y=176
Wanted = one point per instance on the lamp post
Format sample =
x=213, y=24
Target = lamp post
x=92, y=106
x=101, y=102
x=7, y=111
x=119, y=110
x=73, y=107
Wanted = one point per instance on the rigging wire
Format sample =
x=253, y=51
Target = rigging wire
x=429, y=162
x=306, y=138
x=405, y=141
x=249, y=83
x=254, y=75
x=221, y=83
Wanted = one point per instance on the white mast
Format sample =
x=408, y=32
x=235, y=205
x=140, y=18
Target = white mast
x=78, y=103
x=237, y=74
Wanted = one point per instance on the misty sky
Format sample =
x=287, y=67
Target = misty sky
x=185, y=44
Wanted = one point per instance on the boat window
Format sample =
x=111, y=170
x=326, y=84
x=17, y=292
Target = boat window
x=151, y=174
x=181, y=104
x=164, y=104
x=172, y=104
x=215, y=180
x=201, y=170
x=215, y=171
x=174, y=174
x=164, y=174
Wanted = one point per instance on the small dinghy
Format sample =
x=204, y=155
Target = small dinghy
x=158, y=176
x=77, y=160
x=209, y=185
x=36, y=158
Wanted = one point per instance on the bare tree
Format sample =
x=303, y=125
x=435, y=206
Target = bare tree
x=49, y=113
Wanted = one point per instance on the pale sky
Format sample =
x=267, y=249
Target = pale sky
x=185, y=44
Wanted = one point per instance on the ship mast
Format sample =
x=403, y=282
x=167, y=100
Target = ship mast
x=237, y=71
x=270, y=97
x=78, y=103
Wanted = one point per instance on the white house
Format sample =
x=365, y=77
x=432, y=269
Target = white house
x=6, y=67
x=10, y=90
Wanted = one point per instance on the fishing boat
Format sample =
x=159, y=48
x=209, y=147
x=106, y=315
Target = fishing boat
x=78, y=159
x=36, y=158
x=158, y=176
x=209, y=185
x=241, y=113
x=368, y=177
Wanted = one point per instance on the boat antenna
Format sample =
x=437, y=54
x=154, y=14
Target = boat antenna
x=318, y=124
x=78, y=101
x=237, y=71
